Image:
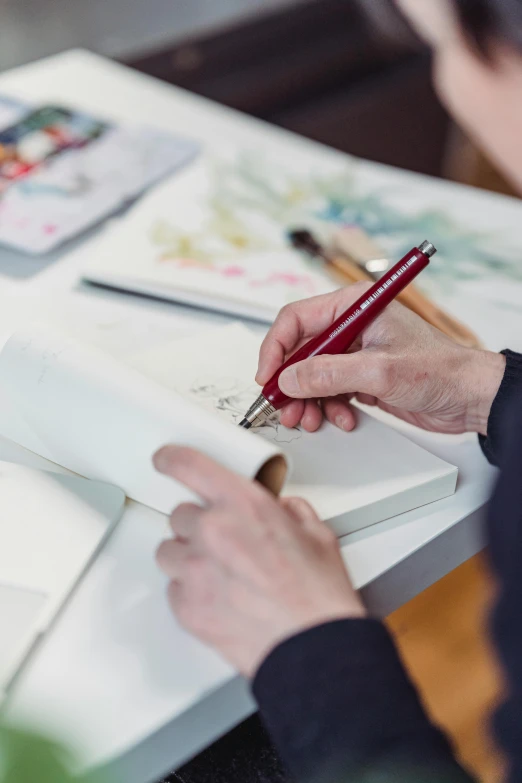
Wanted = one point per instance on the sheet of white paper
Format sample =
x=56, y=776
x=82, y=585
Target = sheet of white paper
x=51, y=525
x=217, y=251
x=81, y=409
x=369, y=475
x=116, y=326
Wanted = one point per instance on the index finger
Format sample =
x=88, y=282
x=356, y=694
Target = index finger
x=301, y=320
x=207, y=478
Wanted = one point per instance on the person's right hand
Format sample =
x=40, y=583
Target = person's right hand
x=400, y=363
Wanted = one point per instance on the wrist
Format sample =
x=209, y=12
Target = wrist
x=484, y=375
x=257, y=650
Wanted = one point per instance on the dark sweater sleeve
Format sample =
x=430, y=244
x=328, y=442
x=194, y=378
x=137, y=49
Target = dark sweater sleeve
x=339, y=707
x=503, y=447
x=505, y=551
x=510, y=389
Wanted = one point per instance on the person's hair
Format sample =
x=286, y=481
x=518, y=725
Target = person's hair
x=488, y=21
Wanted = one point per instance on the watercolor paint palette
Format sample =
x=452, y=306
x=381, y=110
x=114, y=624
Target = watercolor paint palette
x=62, y=171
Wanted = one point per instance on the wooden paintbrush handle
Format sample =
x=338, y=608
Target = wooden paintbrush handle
x=358, y=248
x=412, y=298
x=347, y=271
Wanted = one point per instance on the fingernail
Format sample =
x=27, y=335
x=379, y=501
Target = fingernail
x=339, y=422
x=161, y=459
x=288, y=381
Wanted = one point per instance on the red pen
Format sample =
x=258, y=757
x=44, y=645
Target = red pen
x=343, y=332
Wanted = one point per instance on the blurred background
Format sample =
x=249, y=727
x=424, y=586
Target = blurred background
x=337, y=71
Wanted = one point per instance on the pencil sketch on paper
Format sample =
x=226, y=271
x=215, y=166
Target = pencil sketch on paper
x=232, y=398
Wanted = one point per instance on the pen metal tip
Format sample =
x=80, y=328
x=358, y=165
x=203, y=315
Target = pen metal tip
x=245, y=424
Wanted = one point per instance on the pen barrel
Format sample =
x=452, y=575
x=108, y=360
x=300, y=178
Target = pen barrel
x=345, y=330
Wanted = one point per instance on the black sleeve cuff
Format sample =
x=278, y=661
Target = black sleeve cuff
x=510, y=389
x=337, y=698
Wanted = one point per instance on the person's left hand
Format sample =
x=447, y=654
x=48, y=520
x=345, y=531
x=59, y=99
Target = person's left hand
x=248, y=571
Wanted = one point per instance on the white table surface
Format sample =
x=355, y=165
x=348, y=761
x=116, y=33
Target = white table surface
x=117, y=678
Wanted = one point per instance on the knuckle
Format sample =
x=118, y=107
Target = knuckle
x=162, y=553
x=217, y=528
x=285, y=311
x=184, y=509
x=320, y=378
x=287, y=315
x=328, y=537
x=306, y=377
x=258, y=499
x=195, y=571
x=212, y=527
x=298, y=505
x=180, y=513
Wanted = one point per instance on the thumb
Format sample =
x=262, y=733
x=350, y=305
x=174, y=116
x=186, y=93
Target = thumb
x=328, y=376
